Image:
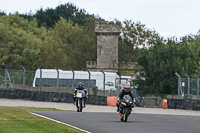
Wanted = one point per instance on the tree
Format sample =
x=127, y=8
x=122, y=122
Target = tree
x=195, y=44
x=2, y=13
x=68, y=46
x=19, y=41
x=159, y=64
x=135, y=36
x=49, y=17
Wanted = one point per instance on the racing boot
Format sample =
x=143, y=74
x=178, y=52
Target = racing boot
x=84, y=104
x=74, y=101
x=120, y=111
x=117, y=107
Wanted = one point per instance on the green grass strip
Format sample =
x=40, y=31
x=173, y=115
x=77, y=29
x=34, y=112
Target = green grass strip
x=19, y=120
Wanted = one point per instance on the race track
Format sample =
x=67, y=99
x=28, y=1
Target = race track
x=107, y=122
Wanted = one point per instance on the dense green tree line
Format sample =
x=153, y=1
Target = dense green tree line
x=158, y=59
x=66, y=45
x=20, y=41
x=135, y=36
x=160, y=63
x=49, y=17
x=64, y=38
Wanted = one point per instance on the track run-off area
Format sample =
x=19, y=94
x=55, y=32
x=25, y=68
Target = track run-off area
x=98, y=119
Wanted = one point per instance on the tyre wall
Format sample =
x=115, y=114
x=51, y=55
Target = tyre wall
x=183, y=104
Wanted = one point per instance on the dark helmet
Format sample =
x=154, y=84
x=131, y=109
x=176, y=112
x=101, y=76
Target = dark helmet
x=80, y=85
x=127, y=87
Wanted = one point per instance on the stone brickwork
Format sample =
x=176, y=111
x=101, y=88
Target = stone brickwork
x=91, y=64
x=107, y=44
x=128, y=65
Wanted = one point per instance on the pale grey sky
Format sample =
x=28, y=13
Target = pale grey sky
x=168, y=17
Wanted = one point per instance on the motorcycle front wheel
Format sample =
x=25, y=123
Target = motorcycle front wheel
x=126, y=113
x=80, y=105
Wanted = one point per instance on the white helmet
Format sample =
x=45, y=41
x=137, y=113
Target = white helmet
x=127, y=87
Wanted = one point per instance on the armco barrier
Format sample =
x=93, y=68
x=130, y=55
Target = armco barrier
x=48, y=96
x=183, y=104
x=111, y=100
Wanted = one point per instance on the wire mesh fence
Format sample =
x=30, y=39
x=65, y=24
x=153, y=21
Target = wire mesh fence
x=151, y=102
x=188, y=88
x=30, y=80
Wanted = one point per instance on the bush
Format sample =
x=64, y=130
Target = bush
x=95, y=90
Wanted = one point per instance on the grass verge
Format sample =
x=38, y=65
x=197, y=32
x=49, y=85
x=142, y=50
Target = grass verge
x=19, y=120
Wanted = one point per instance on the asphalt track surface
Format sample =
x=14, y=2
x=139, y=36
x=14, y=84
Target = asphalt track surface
x=108, y=122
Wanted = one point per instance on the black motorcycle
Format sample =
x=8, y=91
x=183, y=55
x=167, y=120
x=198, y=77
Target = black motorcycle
x=126, y=108
x=80, y=99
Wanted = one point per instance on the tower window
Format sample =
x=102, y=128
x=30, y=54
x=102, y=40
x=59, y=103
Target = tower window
x=100, y=48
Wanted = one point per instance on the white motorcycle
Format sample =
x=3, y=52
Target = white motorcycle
x=80, y=99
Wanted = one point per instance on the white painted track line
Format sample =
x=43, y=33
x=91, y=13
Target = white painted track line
x=59, y=122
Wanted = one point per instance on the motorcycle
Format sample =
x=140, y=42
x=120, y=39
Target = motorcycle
x=80, y=99
x=126, y=106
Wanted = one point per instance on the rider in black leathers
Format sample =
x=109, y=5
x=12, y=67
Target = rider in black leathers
x=125, y=91
x=80, y=87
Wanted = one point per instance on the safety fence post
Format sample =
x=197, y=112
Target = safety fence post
x=89, y=82
x=188, y=96
x=24, y=77
x=57, y=84
x=103, y=82
x=40, y=79
x=179, y=84
x=72, y=80
x=7, y=74
x=197, y=86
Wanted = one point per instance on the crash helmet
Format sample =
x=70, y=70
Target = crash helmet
x=80, y=85
x=127, y=87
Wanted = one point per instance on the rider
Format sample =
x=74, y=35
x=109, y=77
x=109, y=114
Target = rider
x=80, y=87
x=125, y=91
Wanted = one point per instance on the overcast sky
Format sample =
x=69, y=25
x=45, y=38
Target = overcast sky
x=168, y=17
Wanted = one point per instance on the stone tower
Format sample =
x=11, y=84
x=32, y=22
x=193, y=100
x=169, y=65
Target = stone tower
x=107, y=44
